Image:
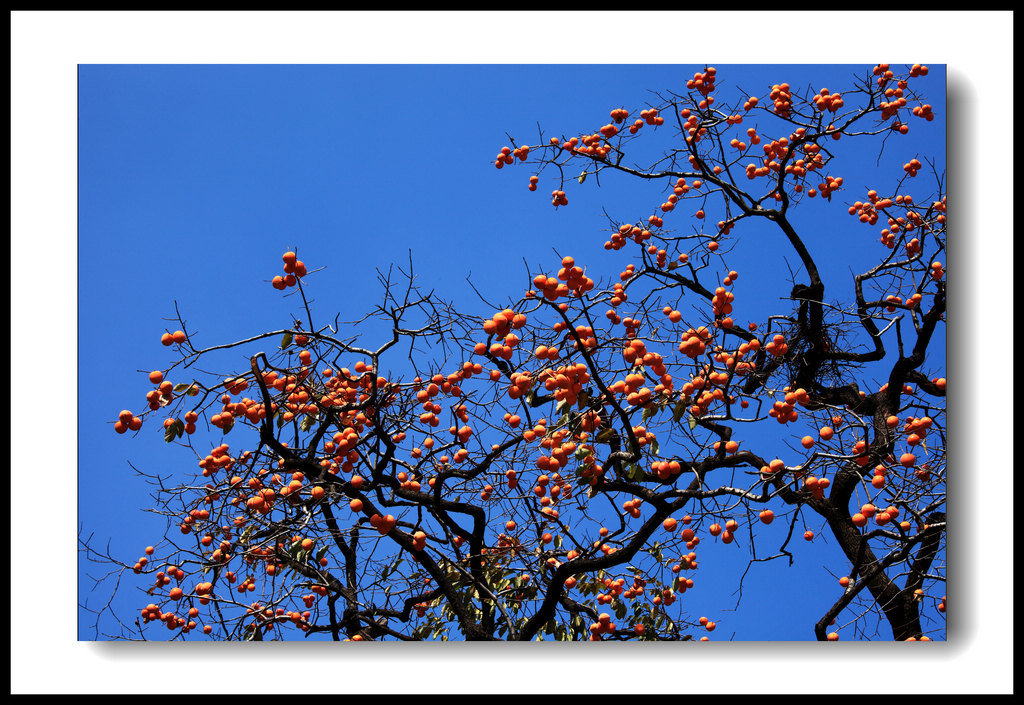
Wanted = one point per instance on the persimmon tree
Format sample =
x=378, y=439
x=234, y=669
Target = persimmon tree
x=549, y=467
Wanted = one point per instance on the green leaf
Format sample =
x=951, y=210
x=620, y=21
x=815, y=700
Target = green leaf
x=181, y=387
x=170, y=433
x=578, y=625
x=391, y=568
x=619, y=609
x=583, y=399
x=678, y=411
x=582, y=177
x=307, y=423
x=286, y=340
x=605, y=435
x=655, y=447
x=690, y=419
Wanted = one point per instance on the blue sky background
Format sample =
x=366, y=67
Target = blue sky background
x=194, y=179
x=49, y=47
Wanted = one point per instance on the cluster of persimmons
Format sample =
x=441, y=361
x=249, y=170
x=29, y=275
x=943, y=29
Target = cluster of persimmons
x=378, y=441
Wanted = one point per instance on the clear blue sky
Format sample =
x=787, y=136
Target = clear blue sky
x=194, y=179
